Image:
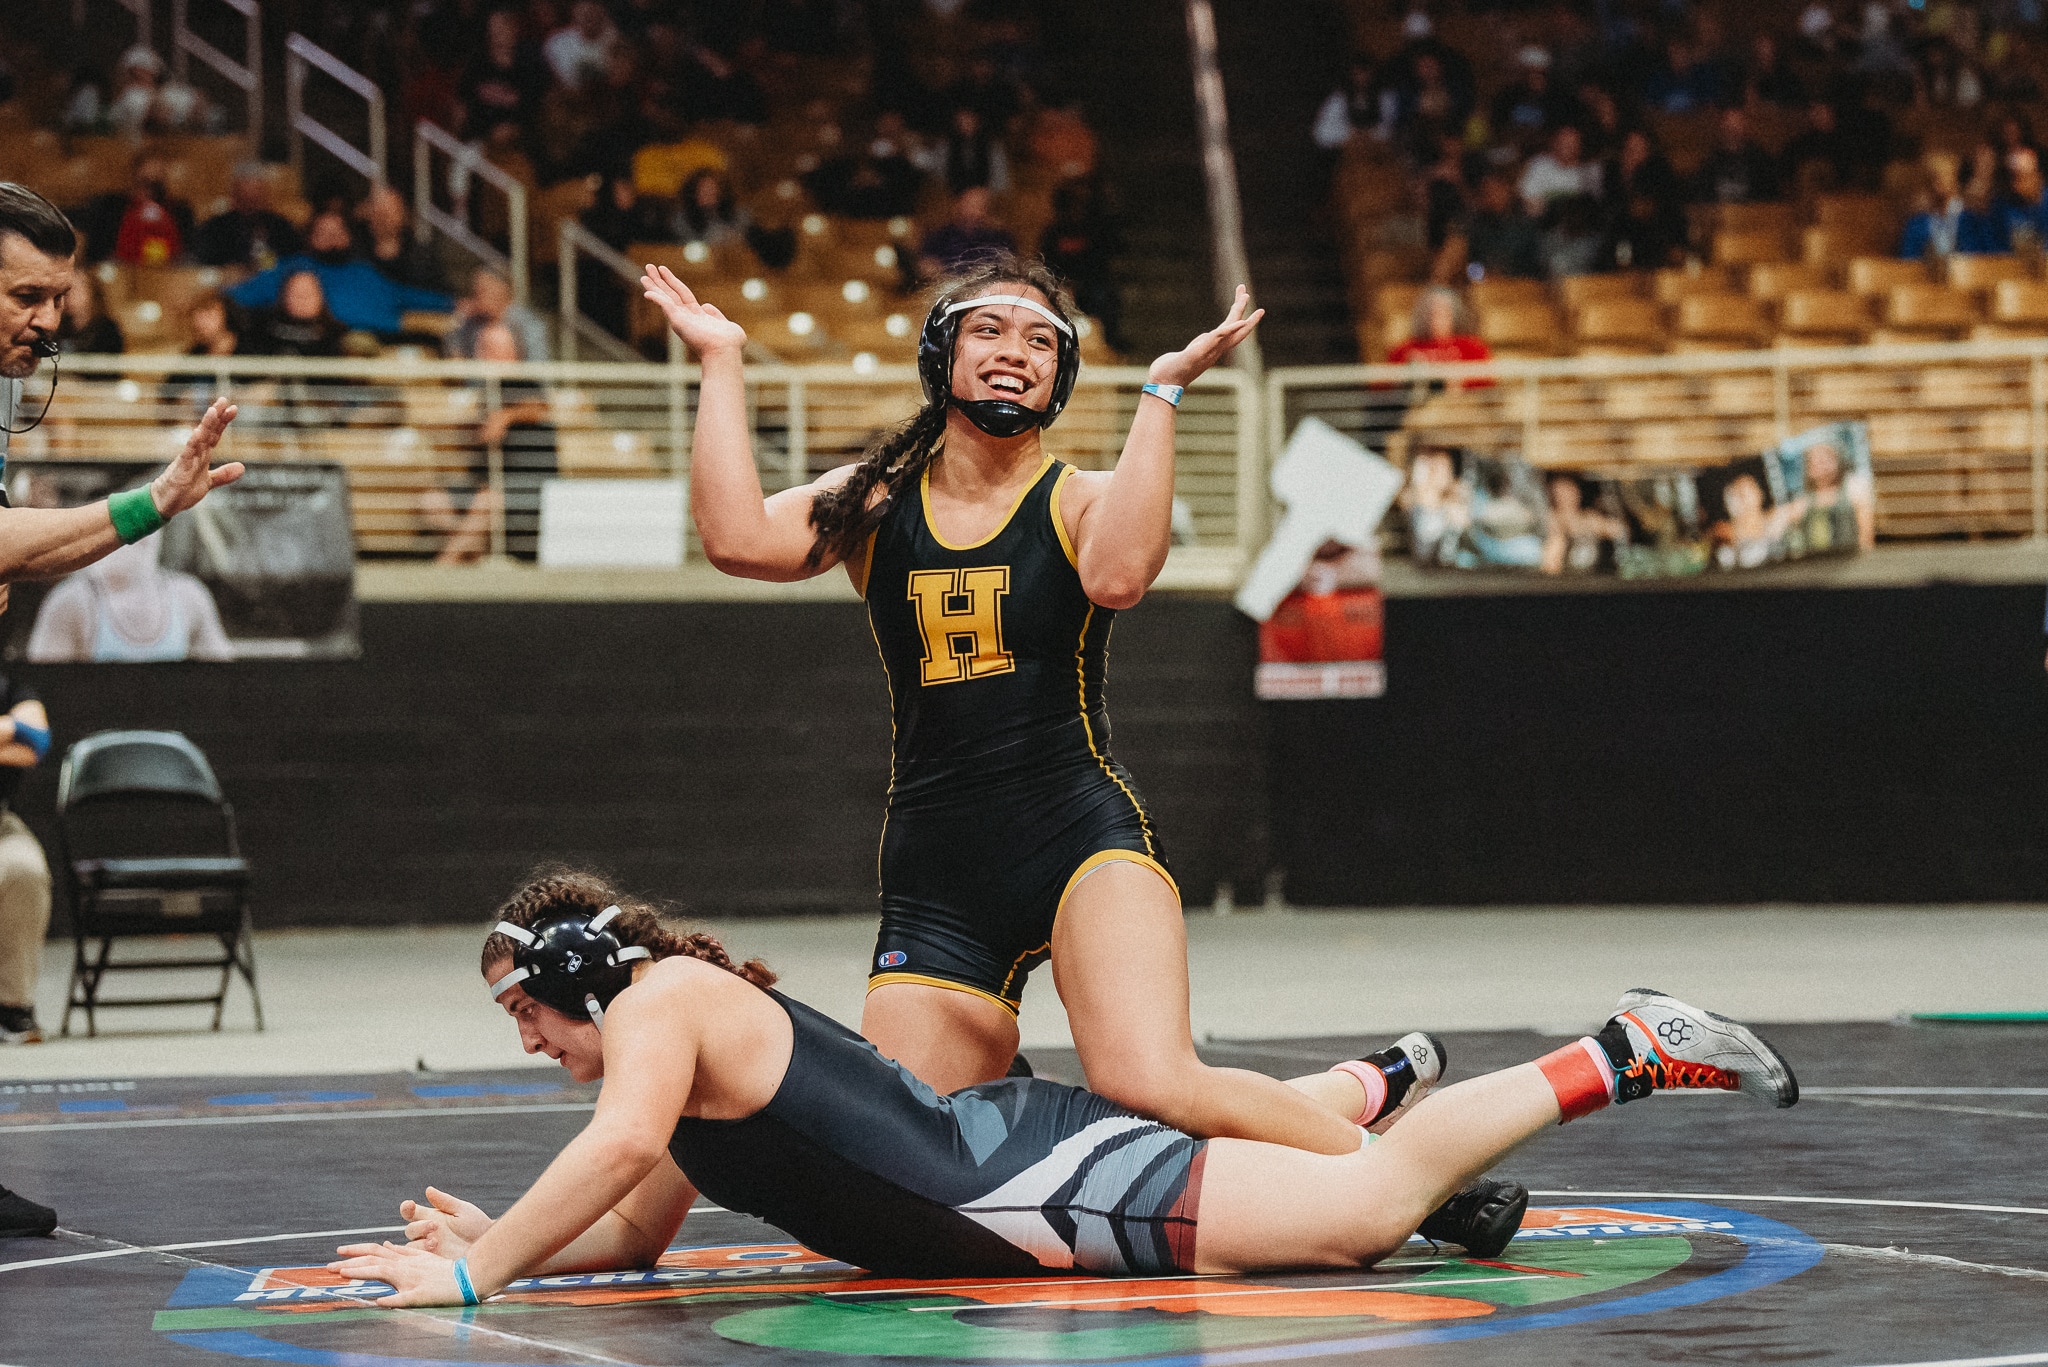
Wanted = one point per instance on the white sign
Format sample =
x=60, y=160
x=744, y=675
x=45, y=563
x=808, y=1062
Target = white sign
x=611, y=524
x=1335, y=490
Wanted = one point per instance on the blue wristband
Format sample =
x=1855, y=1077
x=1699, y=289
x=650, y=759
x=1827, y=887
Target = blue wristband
x=1169, y=392
x=463, y=1283
x=35, y=738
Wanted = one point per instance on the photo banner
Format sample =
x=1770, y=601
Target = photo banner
x=263, y=569
x=1809, y=495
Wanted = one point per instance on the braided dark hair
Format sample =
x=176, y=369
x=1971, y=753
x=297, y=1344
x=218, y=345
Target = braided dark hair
x=556, y=888
x=896, y=459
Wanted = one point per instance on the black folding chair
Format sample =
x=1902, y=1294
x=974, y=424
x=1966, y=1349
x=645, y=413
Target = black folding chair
x=149, y=846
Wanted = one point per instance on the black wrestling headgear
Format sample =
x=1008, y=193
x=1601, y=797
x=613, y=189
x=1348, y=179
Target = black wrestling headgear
x=570, y=962
x=997, y=417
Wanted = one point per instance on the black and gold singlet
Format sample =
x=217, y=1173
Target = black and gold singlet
x=1003, y=793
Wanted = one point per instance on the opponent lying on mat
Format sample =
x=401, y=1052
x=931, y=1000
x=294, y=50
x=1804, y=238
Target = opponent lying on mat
x=769, y=1108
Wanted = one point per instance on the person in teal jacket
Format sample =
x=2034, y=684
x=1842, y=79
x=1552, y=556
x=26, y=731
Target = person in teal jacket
x=359, y=295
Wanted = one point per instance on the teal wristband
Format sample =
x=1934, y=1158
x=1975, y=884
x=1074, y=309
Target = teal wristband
x=134, y=514
x=464, y=1285
x=1169, y=392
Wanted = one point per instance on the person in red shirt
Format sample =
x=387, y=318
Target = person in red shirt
x=1443, y=331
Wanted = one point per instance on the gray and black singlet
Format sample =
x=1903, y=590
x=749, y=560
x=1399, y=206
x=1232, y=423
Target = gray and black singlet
x=857, y=1159
x=1003, y=794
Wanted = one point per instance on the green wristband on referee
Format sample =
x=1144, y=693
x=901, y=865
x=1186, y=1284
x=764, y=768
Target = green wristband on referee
x=134, y=514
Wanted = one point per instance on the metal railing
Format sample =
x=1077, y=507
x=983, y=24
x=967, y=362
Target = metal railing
x=429, y=217
x=245, y=75
x=302, y=54
x=410, y=431
x=573, y=243
x=1958, y=431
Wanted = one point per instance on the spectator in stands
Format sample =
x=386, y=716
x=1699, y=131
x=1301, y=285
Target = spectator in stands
x=1426, y=106
x=143, y=225
x=1737, y=171
x=2023, y=207
x=361, y=297
x=1442, y=331
x=1770, y=78
x=1689, y=77
x=1946, y=221
x=24, y=873
x=145, y=102
x=216, y=325
x=1445, y=197
x=1061, y=142
x=128, y=609
x=963, y=239
x=1423, y=62
x=580, y=52
x=392, y=246
x=620, y=216
x=250, y=233
x=1497, y=238
x=661, y=169
x=1819, y=157
x=1350, y=109
x=1080, y=244
x=971, y=155
x=508, y=80
x=299, y=323
x=1646, y=212
x=523, y=434
x=714, y=87
x=1527, y=108
x=1559, y=172
x=489, y=304
x=707, y=211
x=86, y=328
x=989, y=92
x=85, y=104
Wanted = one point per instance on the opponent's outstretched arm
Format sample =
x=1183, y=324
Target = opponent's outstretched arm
x=650, y=1070
x=45, y=543
x=1125, y=531
x=744, y=533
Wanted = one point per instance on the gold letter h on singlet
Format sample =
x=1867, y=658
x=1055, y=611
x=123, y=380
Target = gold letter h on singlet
x=960, y=614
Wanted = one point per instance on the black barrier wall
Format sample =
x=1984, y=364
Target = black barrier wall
x=732, y=756
x=1884, y=745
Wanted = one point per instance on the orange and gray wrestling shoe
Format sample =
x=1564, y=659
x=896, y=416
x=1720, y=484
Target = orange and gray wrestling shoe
x=1658, y=1043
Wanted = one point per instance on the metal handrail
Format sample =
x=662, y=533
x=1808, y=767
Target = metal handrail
x=574, y=239
x=246, y=75
x=300, y=52
x=429, y=217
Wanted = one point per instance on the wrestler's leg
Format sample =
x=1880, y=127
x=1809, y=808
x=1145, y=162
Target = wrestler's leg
x=1119, y=959
x=950, y=1039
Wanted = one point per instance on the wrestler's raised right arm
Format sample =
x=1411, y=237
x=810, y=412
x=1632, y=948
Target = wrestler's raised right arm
x=744, y=532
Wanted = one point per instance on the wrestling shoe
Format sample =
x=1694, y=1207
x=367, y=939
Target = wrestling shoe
x=21, y=1218
x=1411, y=1065
x=1658, y=1043
x=1480, y=1219
x=18, y=1026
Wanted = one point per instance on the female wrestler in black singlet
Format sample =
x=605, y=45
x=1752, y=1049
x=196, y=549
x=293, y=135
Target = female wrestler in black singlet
x=715, y=1084
x=991, y=574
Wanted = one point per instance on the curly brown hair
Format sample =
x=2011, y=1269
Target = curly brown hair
x=556, y=888
x=894, y=461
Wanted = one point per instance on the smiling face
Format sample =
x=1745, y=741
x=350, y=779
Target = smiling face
x=1006, y=352
x=575, y=1044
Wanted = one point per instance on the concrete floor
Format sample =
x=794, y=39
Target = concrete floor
x=361, y=1001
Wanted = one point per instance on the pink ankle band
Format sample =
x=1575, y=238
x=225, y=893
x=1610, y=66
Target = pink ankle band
x=1582, y=1085
x=1374, y=1082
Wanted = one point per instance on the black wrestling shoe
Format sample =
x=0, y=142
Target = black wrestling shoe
x=18, y=1025
x=1020, y=1067
x=21, y=1218
x=1480, y=1219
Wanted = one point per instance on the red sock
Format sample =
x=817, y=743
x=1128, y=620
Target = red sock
x=1581, y=1076
x=1374, y=1082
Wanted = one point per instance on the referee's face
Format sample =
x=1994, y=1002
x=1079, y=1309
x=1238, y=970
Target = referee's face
x=32, y=290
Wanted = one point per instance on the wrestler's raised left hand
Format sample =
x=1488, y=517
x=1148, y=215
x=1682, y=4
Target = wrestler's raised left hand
x=416, y=1275
x=191, y=476
x=1185, y=366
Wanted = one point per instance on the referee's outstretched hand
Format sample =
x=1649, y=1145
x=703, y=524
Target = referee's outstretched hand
x=1189, y=363
x=701, y=326
x=192, y=475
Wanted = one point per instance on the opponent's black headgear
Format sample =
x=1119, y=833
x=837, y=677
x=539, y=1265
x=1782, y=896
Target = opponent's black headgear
x=997, y=417
x=570, y=962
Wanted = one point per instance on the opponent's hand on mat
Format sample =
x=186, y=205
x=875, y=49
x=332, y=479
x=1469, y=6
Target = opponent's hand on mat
x=443, y=1224
x=416, y=1276
x=1185, y=366
x=701, y=326
x=191, y=476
